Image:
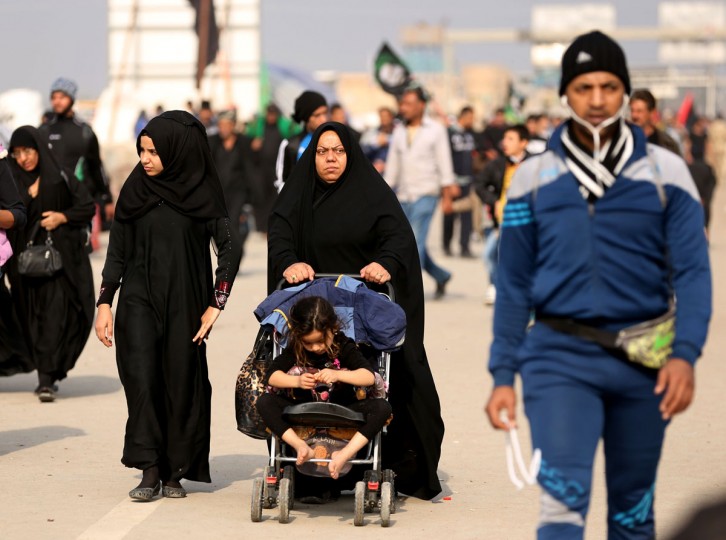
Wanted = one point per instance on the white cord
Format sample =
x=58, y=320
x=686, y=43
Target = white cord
x=513, y=453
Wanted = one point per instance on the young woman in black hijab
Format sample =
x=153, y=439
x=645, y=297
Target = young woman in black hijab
x=14, y=356
x=336, y=214
x=56, y=312
x=169, y=209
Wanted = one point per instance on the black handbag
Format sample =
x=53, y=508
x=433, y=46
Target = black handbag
x=42, y=260
x=250, y=386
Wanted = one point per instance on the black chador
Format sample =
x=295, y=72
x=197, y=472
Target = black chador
x=159, y=256
x=56, y=313
x=14, y=355
x=341, y=228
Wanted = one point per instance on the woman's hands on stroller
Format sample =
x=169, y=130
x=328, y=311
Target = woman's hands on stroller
x=375, y=272
x=298, y=272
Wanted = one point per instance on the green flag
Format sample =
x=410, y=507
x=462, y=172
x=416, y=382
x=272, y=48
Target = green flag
x=390, y=71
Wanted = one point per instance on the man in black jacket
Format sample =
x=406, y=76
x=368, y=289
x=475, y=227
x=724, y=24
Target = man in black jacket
x=642, y=112
x=232, y=154
x=75, y=144
x=311, y=110
x=463, y=145
x=492, y=186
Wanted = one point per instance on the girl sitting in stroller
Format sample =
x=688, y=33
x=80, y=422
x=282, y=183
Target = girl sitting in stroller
x=327, y=365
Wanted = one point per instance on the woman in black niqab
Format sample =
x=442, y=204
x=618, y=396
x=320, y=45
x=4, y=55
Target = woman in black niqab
x=56, y=313
x=343, y=227
x=159, y=257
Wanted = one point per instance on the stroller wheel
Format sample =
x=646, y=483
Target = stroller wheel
x=268, y=495
x=289, y=472
x=386, y=503
x=360, y=498
x=284, y=500
x=388, y=476
x=256, y=505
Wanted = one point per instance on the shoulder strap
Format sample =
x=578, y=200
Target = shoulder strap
x=33, y=233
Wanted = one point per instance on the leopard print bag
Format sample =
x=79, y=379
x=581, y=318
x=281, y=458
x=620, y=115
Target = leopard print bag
x=250, y=387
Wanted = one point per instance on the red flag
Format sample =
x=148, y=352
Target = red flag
x=685, y=116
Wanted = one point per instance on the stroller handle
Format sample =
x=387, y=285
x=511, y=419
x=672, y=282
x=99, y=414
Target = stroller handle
x=389, y=287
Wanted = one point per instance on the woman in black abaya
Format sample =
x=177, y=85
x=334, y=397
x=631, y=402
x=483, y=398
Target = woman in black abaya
x=56, y=313
x=14, y=356
x=337, y=215
x=169, y=209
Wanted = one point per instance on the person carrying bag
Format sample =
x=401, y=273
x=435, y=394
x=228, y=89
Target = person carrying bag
x=39, y=260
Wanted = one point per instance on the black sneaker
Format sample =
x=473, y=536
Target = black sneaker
x=46, y=395
x=441, y=289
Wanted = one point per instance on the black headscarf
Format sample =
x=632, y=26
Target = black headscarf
x=189, y=182
x=48, y=168
x=306, y=199
x=340, y=228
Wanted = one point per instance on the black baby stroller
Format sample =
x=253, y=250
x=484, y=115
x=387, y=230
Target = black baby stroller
x=328, y=426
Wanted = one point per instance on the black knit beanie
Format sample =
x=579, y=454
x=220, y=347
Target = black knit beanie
x=593, y=52
x=306, y=104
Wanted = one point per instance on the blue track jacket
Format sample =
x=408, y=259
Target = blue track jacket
x=609, y=265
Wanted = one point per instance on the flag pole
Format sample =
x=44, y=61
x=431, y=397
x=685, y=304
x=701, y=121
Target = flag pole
x=203, y=33
x=118, y=83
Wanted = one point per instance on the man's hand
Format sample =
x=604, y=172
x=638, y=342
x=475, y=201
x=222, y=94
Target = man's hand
x=503, y=398
x=676, y=379
x=448, y=194
x=109, y=209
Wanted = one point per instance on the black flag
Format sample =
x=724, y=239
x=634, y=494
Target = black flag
x=208, y=34
x=390, y=71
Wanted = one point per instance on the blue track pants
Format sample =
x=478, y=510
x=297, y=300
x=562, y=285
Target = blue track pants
x=576, y=394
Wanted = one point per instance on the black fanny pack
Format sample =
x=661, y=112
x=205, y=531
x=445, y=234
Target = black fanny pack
x=649, y=343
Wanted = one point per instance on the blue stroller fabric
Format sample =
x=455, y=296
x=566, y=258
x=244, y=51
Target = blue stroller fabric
x=365, y=315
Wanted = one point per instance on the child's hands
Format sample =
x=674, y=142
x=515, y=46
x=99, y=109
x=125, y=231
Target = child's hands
x=306, y=381
x=327, y=376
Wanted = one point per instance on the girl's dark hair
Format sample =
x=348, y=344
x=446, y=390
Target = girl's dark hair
x=311, y=314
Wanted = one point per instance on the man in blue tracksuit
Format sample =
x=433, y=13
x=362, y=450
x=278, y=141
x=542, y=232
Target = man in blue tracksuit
x=602, y=231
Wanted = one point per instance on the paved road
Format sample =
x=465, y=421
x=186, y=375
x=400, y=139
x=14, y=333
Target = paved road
x=61, y=477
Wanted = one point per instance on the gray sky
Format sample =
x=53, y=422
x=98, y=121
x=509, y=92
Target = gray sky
x=44, y=39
